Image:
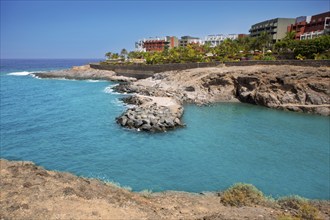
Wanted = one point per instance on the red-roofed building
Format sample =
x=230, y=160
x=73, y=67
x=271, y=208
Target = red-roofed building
x=156, y=43
x=308, y=27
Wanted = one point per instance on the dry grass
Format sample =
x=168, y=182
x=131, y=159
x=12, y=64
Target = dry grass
x=299, y=206
x=241, y=194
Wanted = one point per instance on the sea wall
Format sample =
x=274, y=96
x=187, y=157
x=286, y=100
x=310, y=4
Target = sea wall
x=141, y=71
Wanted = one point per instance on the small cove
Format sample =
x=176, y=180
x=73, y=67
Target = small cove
x=69, y=126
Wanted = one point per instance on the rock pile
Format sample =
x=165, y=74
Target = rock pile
x=150, y=116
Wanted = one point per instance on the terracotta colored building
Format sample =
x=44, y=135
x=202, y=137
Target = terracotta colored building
x=157, y=43
x=308, y=27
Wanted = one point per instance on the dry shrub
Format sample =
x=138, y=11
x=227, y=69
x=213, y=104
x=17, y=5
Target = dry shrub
x=241, y=194
x=302, y=208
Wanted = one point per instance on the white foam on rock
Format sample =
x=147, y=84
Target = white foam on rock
x=23, y=73
x=109, y=89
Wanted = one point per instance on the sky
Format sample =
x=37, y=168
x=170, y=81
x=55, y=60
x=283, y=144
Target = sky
x=89, y=29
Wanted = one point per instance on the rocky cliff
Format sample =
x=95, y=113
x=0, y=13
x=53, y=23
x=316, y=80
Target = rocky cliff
x=293, y=88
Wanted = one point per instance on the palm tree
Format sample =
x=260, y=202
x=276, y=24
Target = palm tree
x=123, y=53
x=108, y=55
x=265, y=40
x=290, y=35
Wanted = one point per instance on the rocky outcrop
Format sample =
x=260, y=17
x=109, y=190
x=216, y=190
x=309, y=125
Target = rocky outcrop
x=155, y=114
x=83, y=73
x=307, y=91
x=293, y=88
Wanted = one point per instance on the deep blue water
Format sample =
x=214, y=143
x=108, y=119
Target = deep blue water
x=70, y=126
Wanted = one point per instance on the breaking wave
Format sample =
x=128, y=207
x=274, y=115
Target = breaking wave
x=24, y=73
x=109, y=89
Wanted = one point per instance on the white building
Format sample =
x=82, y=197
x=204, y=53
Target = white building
x=215, y=40
x=311, y=35
x=139, y=46
x=186, y=40
x=232, y=36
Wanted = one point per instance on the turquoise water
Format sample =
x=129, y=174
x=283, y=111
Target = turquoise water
x=69, y=125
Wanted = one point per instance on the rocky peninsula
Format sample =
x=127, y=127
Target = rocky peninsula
x=83, y=73
x=31, y=192
x=159, y=99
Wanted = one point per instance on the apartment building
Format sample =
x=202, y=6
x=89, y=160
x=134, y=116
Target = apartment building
x=276, y=27
x=185, y=40
x=215, y=40
x=156, y=43
x=308, y=27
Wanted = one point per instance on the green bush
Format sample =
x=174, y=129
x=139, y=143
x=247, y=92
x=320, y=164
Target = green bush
x=310, y=47
x=269, y=57
x=322, y=56
x=241, y=194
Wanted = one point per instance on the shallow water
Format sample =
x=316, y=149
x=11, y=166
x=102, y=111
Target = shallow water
x=69, y=125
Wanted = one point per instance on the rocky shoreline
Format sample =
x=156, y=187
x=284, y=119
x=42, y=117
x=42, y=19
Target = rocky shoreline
x=31, y=192
x=84, y=73
x=293, y=88
x=159, y=99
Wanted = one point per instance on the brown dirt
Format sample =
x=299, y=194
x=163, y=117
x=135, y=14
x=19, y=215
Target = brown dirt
x=31, y=192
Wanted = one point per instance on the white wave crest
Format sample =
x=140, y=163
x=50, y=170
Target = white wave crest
x=117, y=102
x=23, y=73
x=121, y=103
x=93, y=80
x=109, y=89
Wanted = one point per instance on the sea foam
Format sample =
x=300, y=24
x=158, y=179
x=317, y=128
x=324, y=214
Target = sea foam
x=109, y=89
x=94, y=80
x=23, y=73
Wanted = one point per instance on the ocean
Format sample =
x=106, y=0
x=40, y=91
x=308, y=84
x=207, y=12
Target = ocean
x=69, y=125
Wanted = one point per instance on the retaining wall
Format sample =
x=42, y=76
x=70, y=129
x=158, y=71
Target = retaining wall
x=141, y=71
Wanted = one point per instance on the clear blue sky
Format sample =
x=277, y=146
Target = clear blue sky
x=88, y=29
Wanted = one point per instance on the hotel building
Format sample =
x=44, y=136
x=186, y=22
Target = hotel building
x=156, y=43
x=277, y=28
x=308, y=27
x=185, y=40
x=215, y=40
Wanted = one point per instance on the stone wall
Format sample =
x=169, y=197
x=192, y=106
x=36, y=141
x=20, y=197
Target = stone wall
x=313, y=63
x=141, y=71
